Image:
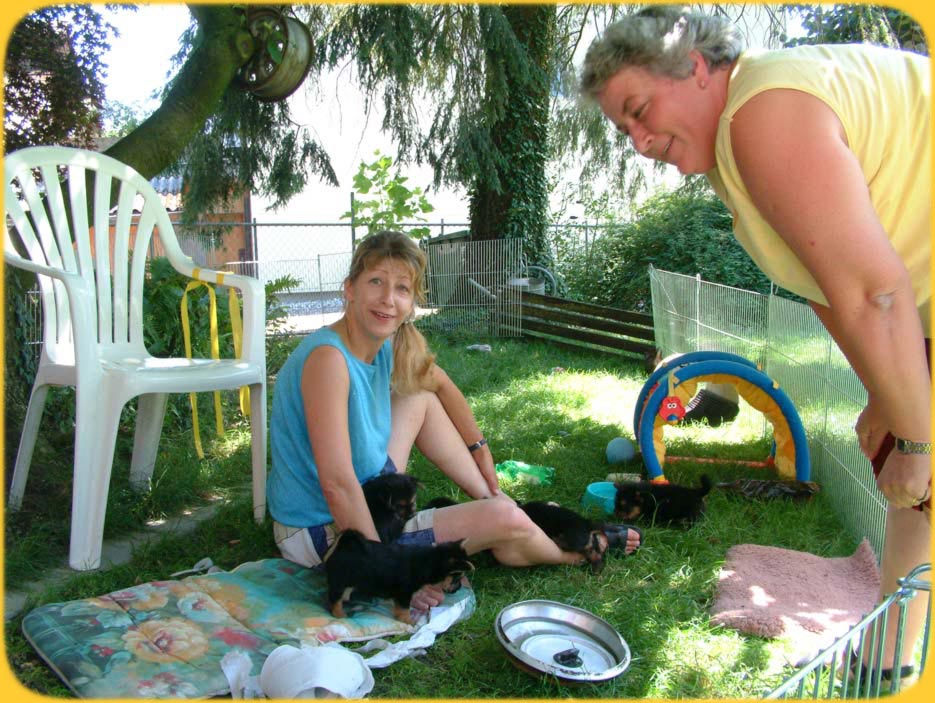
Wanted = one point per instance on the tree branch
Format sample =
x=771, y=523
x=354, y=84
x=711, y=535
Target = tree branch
x=225, y=45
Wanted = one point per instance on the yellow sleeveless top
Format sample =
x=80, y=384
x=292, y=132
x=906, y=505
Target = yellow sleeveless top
x=882, y=98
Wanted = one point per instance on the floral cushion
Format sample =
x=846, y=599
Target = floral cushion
x=166, y=639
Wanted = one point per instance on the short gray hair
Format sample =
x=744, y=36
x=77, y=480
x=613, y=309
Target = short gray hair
x=659, y=38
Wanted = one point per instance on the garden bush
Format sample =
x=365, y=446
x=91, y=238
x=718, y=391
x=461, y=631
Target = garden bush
x=679, y=231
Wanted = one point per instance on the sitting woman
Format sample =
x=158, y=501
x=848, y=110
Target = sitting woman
x=352, y=400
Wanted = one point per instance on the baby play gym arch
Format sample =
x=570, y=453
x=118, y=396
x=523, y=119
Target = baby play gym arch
x=665, y=394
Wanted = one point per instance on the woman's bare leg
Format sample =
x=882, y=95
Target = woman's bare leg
x=515, y=540
x=421, y=419
x=503, y=528
x=908, y=541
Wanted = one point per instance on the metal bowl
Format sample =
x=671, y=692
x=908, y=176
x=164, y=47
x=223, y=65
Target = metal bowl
x=570, y=643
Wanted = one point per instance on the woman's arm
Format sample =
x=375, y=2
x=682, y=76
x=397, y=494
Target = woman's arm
x=871, y=426
x=325, y=389
x=456, y=405
x=793, y=155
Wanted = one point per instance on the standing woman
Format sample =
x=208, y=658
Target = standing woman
x=822, y=155
x=350, y=403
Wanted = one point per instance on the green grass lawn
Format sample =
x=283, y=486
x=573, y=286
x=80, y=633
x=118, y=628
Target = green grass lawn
x=535, y=403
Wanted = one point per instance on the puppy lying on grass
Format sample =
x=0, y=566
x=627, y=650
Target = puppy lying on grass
x=664, y=503
x=356, y=565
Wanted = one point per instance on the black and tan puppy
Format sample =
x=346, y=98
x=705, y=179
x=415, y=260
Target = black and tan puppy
x=570, y=531
x=365, y=568
x=664, y=503
x=392, y=501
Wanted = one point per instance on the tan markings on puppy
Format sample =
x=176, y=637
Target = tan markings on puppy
x=338, y=608
x=402, y=614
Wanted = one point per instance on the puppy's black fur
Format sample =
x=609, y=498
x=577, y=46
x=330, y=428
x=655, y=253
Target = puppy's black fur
x=356, y=565
x=665, y=503
x=392, y=501
x=570, y=531
x=440, y=502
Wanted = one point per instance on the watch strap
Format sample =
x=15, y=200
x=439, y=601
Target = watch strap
x=477, y=445
x=905, y=446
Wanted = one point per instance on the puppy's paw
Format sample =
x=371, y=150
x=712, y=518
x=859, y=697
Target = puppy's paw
x=403, y=614
x=337, y=608
x=597, y=564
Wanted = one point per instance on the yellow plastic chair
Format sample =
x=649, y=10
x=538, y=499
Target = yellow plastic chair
x=91, y=287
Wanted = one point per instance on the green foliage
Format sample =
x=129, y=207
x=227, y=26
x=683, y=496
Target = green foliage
x=391, y=202
x=20, y=360
x=162, y=325
x=681, y=231
x=866, y=24
x=250, y=145
x=514, y=202
x=119, y=119
x=268, y=29
x=162, y=312
x=53, y=77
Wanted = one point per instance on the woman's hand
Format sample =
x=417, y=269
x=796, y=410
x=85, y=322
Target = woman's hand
x=484, y=460
x=905, y=480
x=427, y=597
x=871, y=430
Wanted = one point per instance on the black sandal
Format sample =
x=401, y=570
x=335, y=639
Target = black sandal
x=617, y=537
x=868, y=673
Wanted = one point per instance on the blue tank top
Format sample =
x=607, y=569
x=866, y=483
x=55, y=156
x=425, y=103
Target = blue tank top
x=293, y=490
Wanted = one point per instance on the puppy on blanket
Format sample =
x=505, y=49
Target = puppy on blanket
x=356, y=565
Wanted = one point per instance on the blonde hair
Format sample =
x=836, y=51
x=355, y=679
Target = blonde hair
x=659, y=39
x=412, y=360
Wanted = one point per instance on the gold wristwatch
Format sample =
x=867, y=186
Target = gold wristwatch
x=904, y=446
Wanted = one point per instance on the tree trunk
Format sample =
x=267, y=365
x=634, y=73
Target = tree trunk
x=517, y=206
x=225, y=46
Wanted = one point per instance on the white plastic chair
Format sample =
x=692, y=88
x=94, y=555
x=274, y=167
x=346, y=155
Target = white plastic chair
x=92, y=304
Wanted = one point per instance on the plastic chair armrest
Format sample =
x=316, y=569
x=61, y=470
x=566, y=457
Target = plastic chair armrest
x=67, y=277
x=254, y=306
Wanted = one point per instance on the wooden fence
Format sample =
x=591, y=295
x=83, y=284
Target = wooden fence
x=574, y=324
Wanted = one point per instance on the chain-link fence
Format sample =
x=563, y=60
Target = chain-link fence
x=465, y=278
x=789, y=343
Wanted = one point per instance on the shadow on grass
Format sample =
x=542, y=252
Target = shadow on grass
x=657, y=598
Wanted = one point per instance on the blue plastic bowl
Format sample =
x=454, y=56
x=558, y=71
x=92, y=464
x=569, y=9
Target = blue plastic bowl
x=600, y=495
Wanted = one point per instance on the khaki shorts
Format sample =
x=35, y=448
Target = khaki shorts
x=308, y=545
